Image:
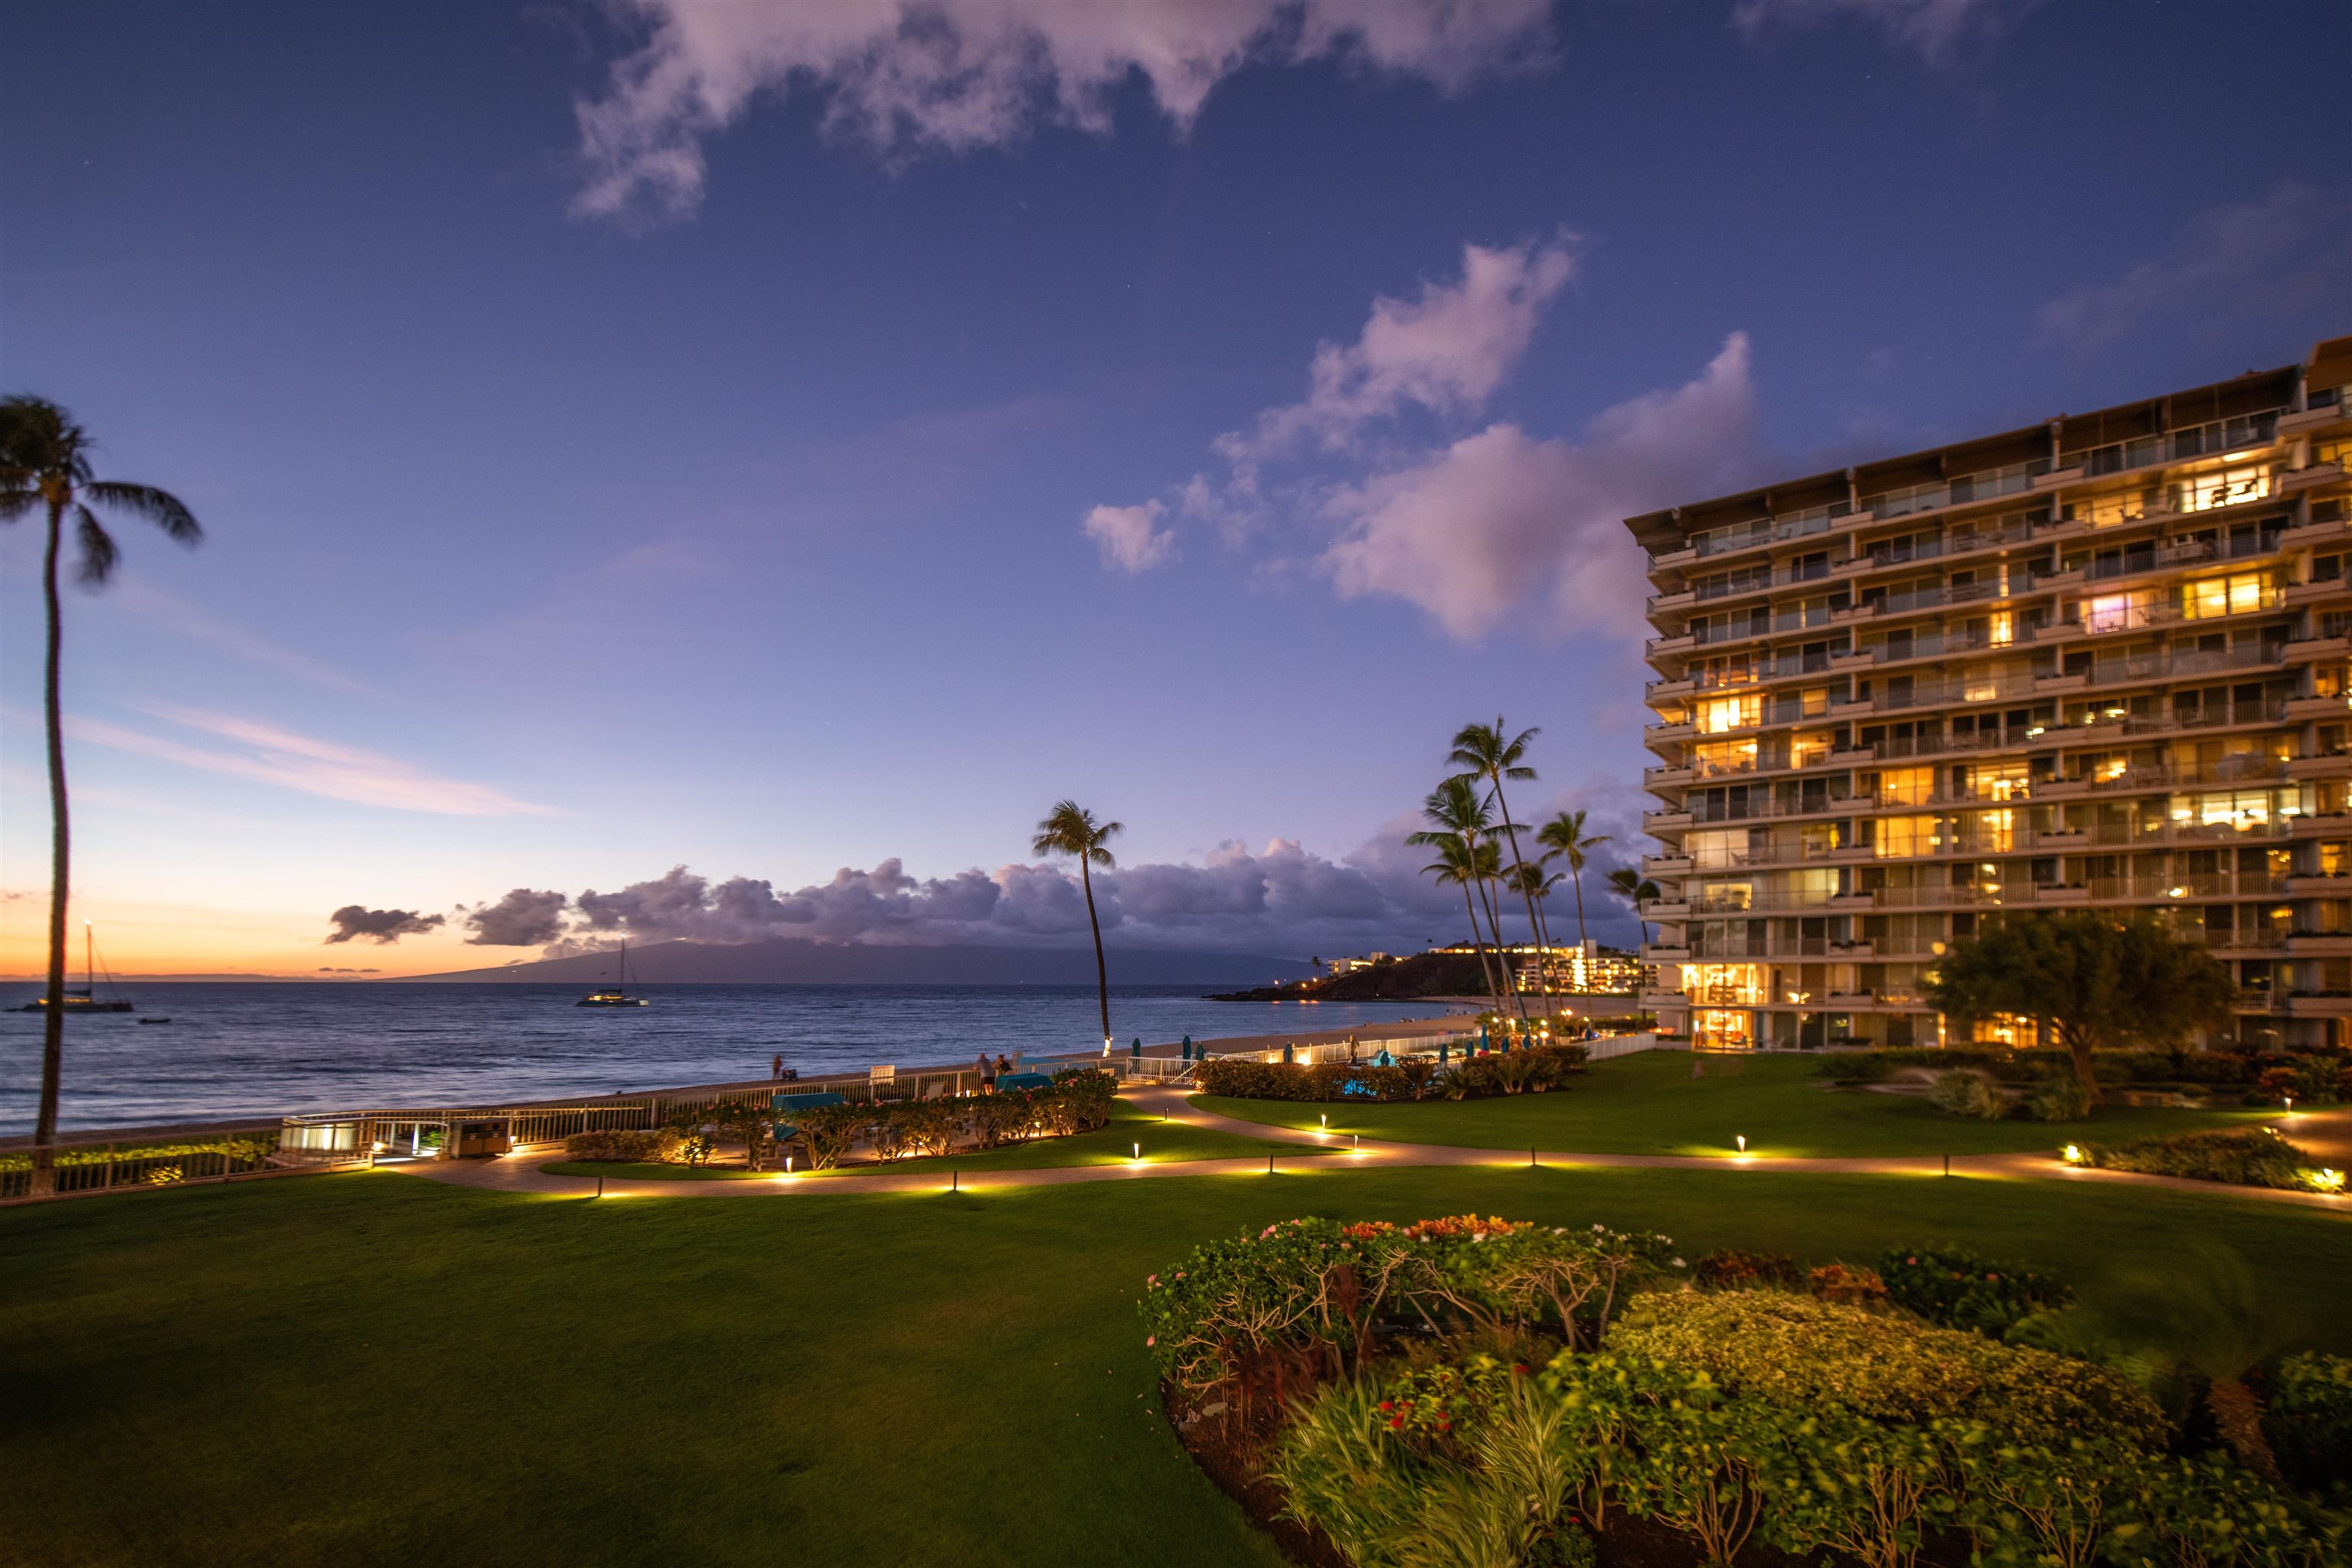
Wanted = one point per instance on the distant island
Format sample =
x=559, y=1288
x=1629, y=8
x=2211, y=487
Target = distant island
x=1409, y=979
x=795, y=961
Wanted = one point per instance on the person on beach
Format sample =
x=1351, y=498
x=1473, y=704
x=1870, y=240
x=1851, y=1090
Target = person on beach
x=987, y=1074
x=776, y=1068
x=1002, y=1065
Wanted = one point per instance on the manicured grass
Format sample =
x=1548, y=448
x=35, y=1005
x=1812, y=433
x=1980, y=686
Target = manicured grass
x=1163, y=1142
x=360, y=1370
x=1649, y=1104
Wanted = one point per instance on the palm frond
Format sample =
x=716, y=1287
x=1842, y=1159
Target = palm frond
x=99, y=555
x=159, y=507
x=14, y=503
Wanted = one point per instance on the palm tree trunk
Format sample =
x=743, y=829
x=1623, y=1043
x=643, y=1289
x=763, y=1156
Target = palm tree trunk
x=1502, y=959
x=1535, y=926
x=1576, y=880
x=1102, y=975
x=53, y=1025
x=1479, y=945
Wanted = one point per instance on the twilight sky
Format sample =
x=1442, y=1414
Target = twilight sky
x=800, y=443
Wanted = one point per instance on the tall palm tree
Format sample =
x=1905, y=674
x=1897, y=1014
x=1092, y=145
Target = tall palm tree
x=1635, y=890
x=1457, y=865
x=1492, y=752
x=1455, y=810
x=1070, y=829
x=1533, y=885
x=1564, y=839
x=45, y=468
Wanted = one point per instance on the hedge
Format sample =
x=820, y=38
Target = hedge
x=620, y=1146
x=2257, y=1158
x=1530, y=1070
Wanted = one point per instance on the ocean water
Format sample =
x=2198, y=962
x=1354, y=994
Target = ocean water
x=235, y=1049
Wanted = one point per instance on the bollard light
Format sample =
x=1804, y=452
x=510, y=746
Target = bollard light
x=1326, y=1120
x=1740, y=1138
x=1139, y=1150
x=788, y=1164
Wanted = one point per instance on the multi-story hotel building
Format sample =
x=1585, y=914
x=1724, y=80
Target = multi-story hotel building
x=2099, y=662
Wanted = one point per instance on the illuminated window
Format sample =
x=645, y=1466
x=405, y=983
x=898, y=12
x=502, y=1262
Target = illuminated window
x=1724, y=984
x=1716, y=850
x=1980, y=685
x=1993, y=832
x=2231, y=595
x=1906, y=787
x=2225, y=487
x=1725, y=757
x=1805, y=749
x=1817, y=839
x=1908, y=835
x=1718, y=897
x=2001, y=629
x=2333, y=860
x=1718, y=714
x=2117, y=612
x=1715, y=1029
x=2244, y=809
x=2005, y=1029
x=1998, y=781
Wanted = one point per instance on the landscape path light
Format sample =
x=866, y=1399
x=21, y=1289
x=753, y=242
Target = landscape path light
x=1740, y=1138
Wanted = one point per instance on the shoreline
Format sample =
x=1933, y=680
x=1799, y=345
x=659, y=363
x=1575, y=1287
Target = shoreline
x=216, y=1127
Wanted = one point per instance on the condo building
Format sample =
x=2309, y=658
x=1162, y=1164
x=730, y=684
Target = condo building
x=2097, y=663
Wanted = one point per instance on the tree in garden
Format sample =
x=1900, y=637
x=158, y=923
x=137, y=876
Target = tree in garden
x=45, y=468
x=1491, y=752
x=1636, y=890
x=2094, y=981
x=1070, y=829
x=1455, y=812
x=1457, y=865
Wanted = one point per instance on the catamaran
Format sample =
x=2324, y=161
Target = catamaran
x=617, y=995
x=87, y=999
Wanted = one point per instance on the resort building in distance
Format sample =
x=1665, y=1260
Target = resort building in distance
x=2095, y=663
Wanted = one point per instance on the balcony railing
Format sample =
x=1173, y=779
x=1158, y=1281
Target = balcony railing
x=2197, y=441
x=1986, y=486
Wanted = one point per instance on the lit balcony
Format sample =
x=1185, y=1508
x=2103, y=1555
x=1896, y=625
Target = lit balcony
x=2319, y=887
x=1659, y=954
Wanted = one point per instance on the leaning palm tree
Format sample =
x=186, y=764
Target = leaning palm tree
x=1531, y=883
x=45, y=468
x=1457, y=865
x=1564, y=839
x=1455, y=811
x=1493, y=753
x=1636, y=890
x=1070, y=829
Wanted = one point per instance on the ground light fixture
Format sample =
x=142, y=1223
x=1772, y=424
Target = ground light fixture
x=1139, y=1150
x=2073, y=1153
x=1740, y=1138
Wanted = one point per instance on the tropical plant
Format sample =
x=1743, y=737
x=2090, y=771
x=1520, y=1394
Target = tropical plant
x=1958, y=1289
x=2254, y=1157
x=1491, y=752
x=1564, y=839
x=1636, y=890
x=2309, y=1421
x=45, y=468
x=2100, y=981
x=1964, y=1093
x=1071, y=829
x=1457, y=827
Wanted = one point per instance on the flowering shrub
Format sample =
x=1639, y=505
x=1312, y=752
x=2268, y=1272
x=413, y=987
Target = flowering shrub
x=2255, y=1158
x=1961, y=1290
x=1847, y=1286
x=1731, y=1269
x=1305, y=1297
x=623, y=1146
x=1965, y=1093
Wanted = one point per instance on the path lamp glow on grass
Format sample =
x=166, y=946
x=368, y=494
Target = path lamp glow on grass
x=2325, y=1180
x=2073, y=1153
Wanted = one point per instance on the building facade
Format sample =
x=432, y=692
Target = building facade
x=2099, y=662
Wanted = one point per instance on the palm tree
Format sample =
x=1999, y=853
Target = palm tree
x=1533, y=884
x=45, y=466
x=1491, y=752
x=1457, y=865
x=1456, y=813
x=1070, y=829
x=1635, y=890
x=1565, y=839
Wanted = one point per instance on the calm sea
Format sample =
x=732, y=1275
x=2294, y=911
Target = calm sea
x=235, y=1049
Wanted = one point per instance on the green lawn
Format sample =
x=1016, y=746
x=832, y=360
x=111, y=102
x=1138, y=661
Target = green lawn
x=376, y=1369
x=1162, y=1143
x=1649, y=1104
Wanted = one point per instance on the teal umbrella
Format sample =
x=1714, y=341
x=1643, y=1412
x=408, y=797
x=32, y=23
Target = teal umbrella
x=1289, y=1054
x=1482, y=1037
x=1445, y=1052
x=1188, y=1048
x=1136, y=1051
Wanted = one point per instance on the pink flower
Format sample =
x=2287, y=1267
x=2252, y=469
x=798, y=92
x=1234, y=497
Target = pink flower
x=1149, y=1341
x=1153, y=1280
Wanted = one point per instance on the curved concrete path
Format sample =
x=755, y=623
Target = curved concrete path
x=2326, y=1130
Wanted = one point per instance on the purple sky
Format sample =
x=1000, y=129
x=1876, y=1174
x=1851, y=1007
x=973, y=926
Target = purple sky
x=776, y=440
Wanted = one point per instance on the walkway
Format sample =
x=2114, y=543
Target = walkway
x=521, y=1174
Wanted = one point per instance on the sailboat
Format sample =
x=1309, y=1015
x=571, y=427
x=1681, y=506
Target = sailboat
x=617, y=995
x=85, y=1000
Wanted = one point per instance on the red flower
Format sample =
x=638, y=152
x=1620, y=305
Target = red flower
x=1396, y=1423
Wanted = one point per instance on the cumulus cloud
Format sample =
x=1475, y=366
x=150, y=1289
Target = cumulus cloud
x=1280, y=898
x=1129, y=537
x=1485, y=526
x=1447, y=351
x=357, y=920
x=908, y=77
x=524, y=918
x=2288, y=248
x=1933, y=29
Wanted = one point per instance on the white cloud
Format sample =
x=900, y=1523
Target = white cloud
x=1484, y=527
x=1445, y=352
x=1128, y=537
x=905, y=78
x=2287, y=247
x=140, y=598
x=1934, y=29
x=280, y=757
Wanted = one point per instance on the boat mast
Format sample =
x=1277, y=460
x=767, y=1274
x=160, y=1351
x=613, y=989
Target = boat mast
x=88, y=961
